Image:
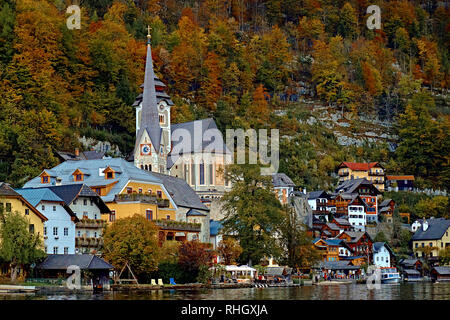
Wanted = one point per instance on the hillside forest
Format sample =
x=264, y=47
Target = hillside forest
x=246, y=63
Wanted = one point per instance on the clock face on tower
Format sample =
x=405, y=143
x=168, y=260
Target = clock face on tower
x=146, y=149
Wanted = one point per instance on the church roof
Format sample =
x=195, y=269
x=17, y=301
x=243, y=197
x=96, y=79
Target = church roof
x=149, y=114
x=193, y=128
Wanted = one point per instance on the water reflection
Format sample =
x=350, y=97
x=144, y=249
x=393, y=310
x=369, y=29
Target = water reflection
x=404, y=291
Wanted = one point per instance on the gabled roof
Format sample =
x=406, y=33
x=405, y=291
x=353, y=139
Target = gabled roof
x=318, y=194
x=342, y=221
x=282, y=180
x=350, y=186
x=35, y=195
x=125, y=172
x=359, y=166
x=378, y=245
x=436, y=229
x=442, y=270
x=84, y=155
x=356, y=235
x=7, y=191
x=385, y=203
x=197, y=144
x=195, y=213
x=332, y=226
x=84, y=261
x=408, y=262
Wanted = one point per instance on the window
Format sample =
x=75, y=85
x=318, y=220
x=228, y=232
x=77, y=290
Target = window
x=110, y=175
x=431, y=244
x=95, y=234
x=74, y=202
x=149, y=214
x=43, y=208
x=27, y=212
x=98, y=191
x=140, y=190
x=45, y=179
x=149, y=191
x=202, y=173
x=85, y=202
x=54, y=208
x=45, y=232
x=55, y=231
x=168, y=217
x=211, y=174
x=79, y=234
x=66, y=231
x=79, y=177
x=423, y=244
x=8, y=207
x=31, y=228
x=161, y=118
x=159, y=193
x=112, y=216
x=55, y=250
x=66, y=250
x=129, y=190
x=193, y=174
x=92, y=202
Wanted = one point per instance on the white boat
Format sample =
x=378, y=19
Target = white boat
x=390, y=275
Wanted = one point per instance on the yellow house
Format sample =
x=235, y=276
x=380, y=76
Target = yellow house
x=11, y=201
x=432, y=236
x=372, y=171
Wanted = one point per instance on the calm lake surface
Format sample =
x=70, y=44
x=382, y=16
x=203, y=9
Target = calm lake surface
x=403, y=291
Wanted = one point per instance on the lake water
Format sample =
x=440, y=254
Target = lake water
x=403, y=291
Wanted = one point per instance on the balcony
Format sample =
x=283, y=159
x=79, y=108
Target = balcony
x=144, y=198
x=88, y=242
x=343, y=173
x=91, y=224
x=178, y=225
x=374, y=173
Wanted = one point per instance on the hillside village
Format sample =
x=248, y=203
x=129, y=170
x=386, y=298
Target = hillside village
x=72, y=205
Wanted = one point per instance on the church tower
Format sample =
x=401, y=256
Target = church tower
x=153, y=139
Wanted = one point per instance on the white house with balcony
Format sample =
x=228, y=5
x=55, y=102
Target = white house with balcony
x=357, y=216
x=59, y=229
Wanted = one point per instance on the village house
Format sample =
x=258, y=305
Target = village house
x=382, y=255
x=360, y=242
x=386, y=210
x=411, y=264
x=434, y=234
x=282, y=186
x=318, y=201
x=400, y=183
x=329, y=248
x=59, y=229
x=440, y=273
x=372, y=171
x=368, y=193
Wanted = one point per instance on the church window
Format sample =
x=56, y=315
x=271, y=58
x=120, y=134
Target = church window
x=202, y=173
x=146, y=167
x=142, y=167
x=211, y=174
x=150, y=191
x=193, y=174
x=161, y=119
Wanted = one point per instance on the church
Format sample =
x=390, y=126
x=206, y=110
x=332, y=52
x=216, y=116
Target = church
x=193, y=151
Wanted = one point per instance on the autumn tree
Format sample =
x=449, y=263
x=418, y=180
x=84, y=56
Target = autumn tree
x=132, y=240
x=194, y=256
x=229, y=250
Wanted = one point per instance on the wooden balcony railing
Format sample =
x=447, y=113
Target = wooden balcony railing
x=178, y=225
x=145, y=198
x=91, y=224
x=88, y=242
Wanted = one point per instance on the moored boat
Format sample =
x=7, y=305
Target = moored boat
x=390, y=275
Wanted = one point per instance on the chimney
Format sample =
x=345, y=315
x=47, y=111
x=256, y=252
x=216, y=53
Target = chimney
x=58, y=181
x=77, y=152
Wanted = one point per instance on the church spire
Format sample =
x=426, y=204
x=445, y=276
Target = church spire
x=149, y=113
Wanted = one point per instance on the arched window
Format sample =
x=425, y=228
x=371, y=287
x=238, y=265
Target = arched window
x=202, y=173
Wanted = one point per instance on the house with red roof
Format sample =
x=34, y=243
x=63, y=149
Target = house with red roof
x=372, y=171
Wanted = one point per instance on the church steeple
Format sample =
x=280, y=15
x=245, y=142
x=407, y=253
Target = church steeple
x=149, y=115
